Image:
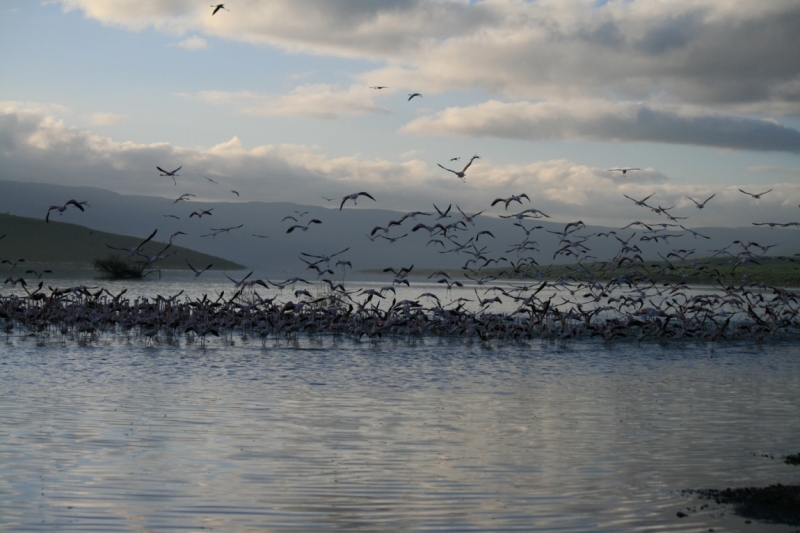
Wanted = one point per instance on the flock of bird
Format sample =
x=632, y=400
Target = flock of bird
x=611, y=298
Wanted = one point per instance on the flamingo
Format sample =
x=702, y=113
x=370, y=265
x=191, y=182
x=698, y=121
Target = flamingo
x=702, y=204
x=354, y=197
x=755, y=196
x=62, y=208
x=463, y=172
x=171, y=174
x=217, y=7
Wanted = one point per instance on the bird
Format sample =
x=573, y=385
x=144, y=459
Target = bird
x=62, y=208
x=172, y=216
x=217, y=7
x=463, y=172
x=702, y=204
x=260, y=236
x=226, y=230
x=209, y=179
x=304, y=228
x=468, y=218
x=455, y=158
x=136, y=249
x=201, y=213
x=623, y=170
x=354, y=197
x=443, y=214
x=412, y=95
x=755, y=196
x=183, y=197
x=235, y=192
x=197, y=272
x=170, y=174
x=513, y=198
x=379, y=87
x=12, y=263
x=640, y=203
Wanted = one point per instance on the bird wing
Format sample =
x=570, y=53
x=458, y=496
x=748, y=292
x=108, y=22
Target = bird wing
x=161, y=169
x=368, y=195
x=447, y=169
x=147, y=239
x=343, y=201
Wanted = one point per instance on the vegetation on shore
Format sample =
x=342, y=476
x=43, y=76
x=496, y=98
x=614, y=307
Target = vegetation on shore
x=71, y=245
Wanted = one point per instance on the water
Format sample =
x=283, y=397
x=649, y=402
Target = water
x=327, y=434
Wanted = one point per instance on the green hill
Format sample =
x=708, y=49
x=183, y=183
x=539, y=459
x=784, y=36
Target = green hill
x=58, y=243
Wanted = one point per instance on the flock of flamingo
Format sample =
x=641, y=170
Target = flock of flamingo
x=609, y=299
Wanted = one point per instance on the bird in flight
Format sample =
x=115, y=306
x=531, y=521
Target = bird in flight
x=379, y=87
x=512, y=198
x=623, y=170
x=354, y=197
x=304, y=228
x=201, y=213
x=755, y=196
x=217, y=7
x=183, y=197
x=412, y=95
x=170, y=174
x=62, y=208
x=235, y=192
x=640, y=203
x=197, y=272
x=209, y=179
x=463, y=172
x=702, y=204
x=136, y=249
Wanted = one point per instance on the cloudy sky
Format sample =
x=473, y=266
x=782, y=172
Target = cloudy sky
x=273, y=99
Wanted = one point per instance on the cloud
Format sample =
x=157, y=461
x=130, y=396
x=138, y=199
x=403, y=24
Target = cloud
x=702, y=52
x=775, y=170
x=602, y=121
x=39, y=148
x=316, y=101
x=108, y=119
x=193, y=44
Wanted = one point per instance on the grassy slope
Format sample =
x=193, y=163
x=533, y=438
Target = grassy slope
x=57, y=243
x=771, y=271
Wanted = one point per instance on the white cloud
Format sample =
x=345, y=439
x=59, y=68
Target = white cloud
x=705, y=52
x=602, y=121
x=317, y=101
x=37, y=147
x=108, y=119
x=193, y=43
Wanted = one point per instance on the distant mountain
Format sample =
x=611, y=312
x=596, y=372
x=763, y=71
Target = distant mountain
x=348, y=228
x=63, y=244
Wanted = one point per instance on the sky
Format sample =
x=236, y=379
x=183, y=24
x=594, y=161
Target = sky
x=273, y=99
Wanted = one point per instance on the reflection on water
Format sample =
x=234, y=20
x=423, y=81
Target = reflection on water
x=429, y=435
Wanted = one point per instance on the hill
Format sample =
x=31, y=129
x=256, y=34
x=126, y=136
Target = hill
x=58, y=243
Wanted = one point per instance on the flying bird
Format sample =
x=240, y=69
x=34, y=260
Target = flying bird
x=354, y=197
x=62, y=208
x=304, y=228
x=217, y=7
x=209, y=179
x=136, y=249
x=412, y=95
x=463, y=172
x=623, y=170
x=183, y=197
x=170, y=174
x=201, y=213
x=235, y=192
x=197, y=272
x=379, y=87
x=755, y=196
x=702, y=204
x=640, y=203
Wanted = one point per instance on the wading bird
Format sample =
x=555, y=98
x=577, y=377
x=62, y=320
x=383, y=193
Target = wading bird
x=217, y=7
x=170, y=174
x=702, y=204
x=304, y=228
x=354, y=197
x=62, y=208
x=755, y=196
x=623, y=170
x=463, y=172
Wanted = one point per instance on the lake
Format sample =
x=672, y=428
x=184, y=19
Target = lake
x=121, y=432
x=326, y=433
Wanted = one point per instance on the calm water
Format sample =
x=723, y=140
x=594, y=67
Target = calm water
x=394, y=436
